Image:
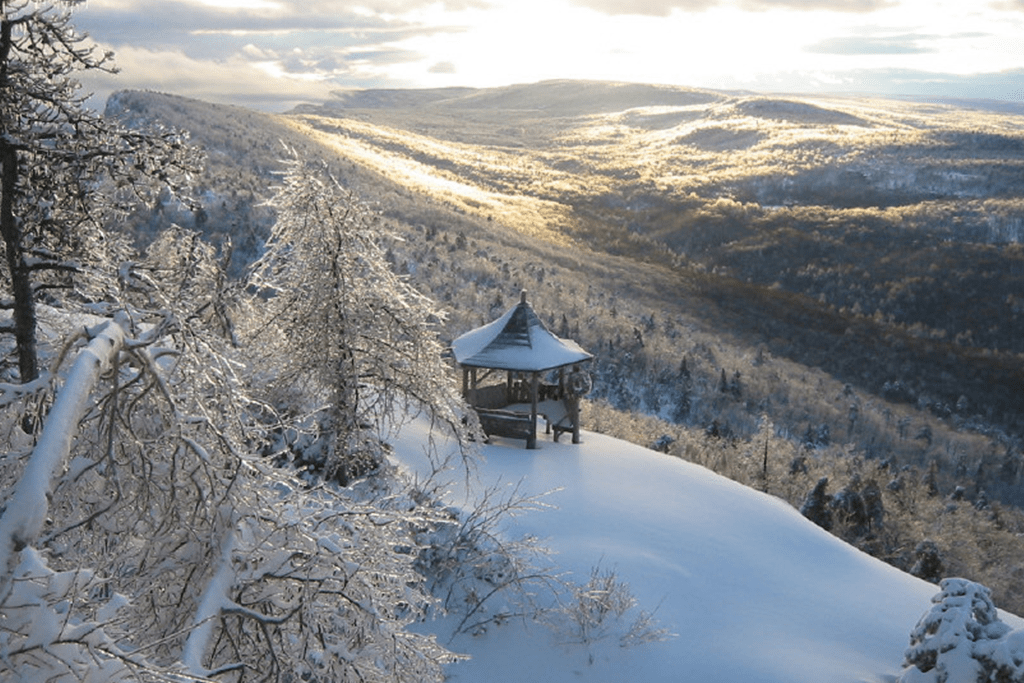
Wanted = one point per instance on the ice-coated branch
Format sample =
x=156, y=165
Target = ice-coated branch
x=12, y=393
x=28, y=506
x=213, y=601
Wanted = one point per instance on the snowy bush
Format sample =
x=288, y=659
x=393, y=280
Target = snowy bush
x=474, y=569
x=602, y=608
x=962, y=640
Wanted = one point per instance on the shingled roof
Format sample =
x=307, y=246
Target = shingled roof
x=517, y=341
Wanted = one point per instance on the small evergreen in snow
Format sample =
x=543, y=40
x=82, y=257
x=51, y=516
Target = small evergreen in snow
x=962, y=640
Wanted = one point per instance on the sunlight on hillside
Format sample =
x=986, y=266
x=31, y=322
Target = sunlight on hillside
x=529, y=215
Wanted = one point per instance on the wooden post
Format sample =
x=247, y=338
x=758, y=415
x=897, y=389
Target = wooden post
x=574, y=411
x=472, y=387
x=531, y=441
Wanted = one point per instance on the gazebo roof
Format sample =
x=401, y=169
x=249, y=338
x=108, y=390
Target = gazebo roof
x=517, y=341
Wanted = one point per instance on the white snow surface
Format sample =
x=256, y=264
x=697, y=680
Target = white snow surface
x=753, y=592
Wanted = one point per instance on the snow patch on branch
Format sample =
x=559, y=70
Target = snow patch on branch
x=28, y=504
x=215, y=599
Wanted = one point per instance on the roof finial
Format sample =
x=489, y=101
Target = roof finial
x=522, y=297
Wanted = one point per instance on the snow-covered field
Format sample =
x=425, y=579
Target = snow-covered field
x=752, y=591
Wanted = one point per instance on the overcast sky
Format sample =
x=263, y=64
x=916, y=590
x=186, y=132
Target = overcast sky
x=272, y=54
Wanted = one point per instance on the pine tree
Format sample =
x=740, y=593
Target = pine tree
x=958, y=640
x=357, y=340
x=928, y=564
x=817, y=505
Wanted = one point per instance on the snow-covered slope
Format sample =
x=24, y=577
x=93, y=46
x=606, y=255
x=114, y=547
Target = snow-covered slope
x=752, y=590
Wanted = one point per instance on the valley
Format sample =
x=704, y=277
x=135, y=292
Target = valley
x=848, y=271
x=877, y=240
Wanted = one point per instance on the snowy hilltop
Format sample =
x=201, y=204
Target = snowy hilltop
x=749, y=589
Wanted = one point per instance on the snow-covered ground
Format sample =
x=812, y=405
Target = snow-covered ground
x=753, y=592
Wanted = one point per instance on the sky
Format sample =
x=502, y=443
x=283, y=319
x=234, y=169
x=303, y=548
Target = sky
x=273, y=54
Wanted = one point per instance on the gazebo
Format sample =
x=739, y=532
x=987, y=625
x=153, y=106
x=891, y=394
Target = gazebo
x=519, y=345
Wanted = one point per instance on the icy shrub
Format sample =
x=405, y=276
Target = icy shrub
x=962, y=640
x=601, y=608
x=473, y=569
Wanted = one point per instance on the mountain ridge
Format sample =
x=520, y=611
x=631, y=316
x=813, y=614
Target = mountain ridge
x=557, y=96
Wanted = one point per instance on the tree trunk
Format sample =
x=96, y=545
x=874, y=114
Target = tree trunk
x=21, y=280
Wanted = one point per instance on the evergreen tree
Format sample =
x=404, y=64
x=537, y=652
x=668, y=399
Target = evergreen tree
x=962, y=640
x=817, y=505
x=353, y=339
x=848, y=507
x=928, y=564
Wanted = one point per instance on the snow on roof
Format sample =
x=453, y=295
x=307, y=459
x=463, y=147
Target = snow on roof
x=517, y=341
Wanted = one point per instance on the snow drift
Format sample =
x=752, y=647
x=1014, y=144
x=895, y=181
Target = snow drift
x=751, y=589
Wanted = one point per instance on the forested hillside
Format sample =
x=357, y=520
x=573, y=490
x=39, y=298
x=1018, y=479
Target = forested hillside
x=878, y=241
x=846, y=270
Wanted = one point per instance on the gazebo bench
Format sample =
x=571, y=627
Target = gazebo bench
x=507, y=423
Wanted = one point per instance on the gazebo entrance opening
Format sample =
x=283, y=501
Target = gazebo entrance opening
x=515, y=370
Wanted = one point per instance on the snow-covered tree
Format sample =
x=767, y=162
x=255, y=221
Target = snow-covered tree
x=355, y=339
x=144, y=537
x=962, y=640
x=54, y=154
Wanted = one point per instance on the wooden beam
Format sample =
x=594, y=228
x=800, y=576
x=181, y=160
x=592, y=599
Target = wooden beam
x=574, y=412
x=574, y=415
x=534, y=390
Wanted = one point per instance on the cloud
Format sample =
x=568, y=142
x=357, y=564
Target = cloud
x=269, y=54
x=909, y=83
x=864, y=45
x=653, y=8
x=1008, y=5
x=663, y=8
x=237, y=80
x=167, y=24
x=251, y=51
x=443, y=68
x=851, y=6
